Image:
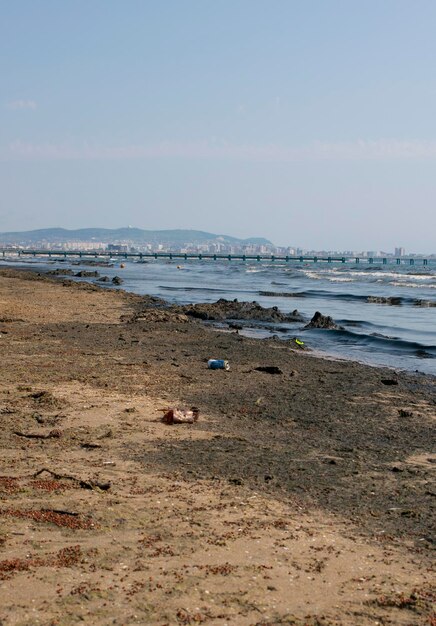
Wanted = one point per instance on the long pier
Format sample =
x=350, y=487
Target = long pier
x=139, y=256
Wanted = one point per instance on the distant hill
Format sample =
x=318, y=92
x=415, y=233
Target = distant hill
x=136, y=235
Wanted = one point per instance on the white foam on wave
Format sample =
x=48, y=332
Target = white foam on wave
x=313, y=275
x=413, y=285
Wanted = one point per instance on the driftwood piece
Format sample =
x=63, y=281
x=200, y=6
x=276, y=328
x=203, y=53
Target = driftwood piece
x=61, y=512
x=84, y=484
x=53, y=434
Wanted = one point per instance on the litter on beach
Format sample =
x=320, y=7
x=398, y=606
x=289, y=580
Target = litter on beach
x=298, y=343
x=218, y=364
x=181, y=416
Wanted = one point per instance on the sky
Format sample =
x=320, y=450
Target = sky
x=311, y=123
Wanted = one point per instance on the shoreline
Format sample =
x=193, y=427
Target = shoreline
x=323, y=454
x=252, y=328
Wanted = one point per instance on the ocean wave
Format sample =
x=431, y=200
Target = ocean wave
x=383, y=343
x=186, y=288
x=350, y=297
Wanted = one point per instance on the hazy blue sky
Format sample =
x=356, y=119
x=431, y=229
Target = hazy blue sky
x=310, y=122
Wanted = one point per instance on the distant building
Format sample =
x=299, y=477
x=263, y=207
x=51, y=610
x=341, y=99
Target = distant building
x=117, y=247
x=400, y=252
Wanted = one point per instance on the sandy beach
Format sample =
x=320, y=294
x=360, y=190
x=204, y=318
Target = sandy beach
x=303, y=496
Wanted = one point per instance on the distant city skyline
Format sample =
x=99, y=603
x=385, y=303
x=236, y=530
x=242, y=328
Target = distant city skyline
x=303, y=122
x=181, y=241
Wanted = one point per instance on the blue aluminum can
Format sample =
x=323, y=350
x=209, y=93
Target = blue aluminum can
x=218, y=364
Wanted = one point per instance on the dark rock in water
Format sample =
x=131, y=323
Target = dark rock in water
x=116, y=280
x=425, y=303
x=234, y=310
x=281, y=294
x=87, y=274
x=104, y=279
x=322, y=321
x=60, y=272
x=393, y=301
x=269, y=369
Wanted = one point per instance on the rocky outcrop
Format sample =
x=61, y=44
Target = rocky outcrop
x=234, y=310
x=322, y=321
x=87, y=274
x=60, y=272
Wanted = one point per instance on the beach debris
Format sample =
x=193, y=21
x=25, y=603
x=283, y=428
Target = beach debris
x=269, y=369
x=298, y=343
x=218, y=364
x=49, y=516
x=181, y=416
x=322, y=321
x=389, y=381
x=235, y=481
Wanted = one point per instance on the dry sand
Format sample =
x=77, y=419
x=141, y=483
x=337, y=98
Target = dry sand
x=298, y=498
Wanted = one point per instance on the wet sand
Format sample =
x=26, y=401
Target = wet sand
x=301, y=497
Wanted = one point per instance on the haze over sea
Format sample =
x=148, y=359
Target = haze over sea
x=387, y=312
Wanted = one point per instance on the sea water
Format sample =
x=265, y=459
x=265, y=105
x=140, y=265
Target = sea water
x=387, y=313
